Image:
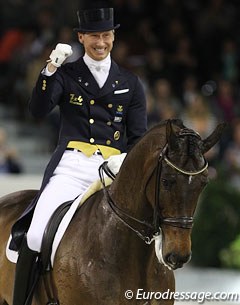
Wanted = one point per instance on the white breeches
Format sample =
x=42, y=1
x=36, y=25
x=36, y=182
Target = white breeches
x=73, y=175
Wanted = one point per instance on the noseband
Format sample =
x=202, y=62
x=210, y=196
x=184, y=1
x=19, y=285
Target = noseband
x=148, y=231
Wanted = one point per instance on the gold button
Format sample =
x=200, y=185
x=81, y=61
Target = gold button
x=116, y=135
x=92, y=140
x=43, y=87
x=92, y=102
x=108, y=142
x=44, y=81
x=91, y=121
x=110, y=105
x=109, y=123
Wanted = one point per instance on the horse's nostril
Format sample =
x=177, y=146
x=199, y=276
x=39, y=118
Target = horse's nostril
x=172, y=258
x=176, y=261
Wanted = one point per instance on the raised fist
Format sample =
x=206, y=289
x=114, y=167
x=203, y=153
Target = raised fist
x=59, y=54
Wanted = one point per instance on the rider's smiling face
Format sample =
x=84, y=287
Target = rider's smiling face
x=97, y=44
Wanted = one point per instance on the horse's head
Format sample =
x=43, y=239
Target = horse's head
x=178, y=173
x=157, y=189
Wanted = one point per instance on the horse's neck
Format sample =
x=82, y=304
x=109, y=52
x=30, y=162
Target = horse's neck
x=117, y=236
x=127, y=189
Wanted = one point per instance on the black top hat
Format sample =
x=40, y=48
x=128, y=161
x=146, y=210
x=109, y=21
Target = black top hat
x=96, y=20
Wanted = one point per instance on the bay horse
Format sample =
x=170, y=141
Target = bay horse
x=103, y=254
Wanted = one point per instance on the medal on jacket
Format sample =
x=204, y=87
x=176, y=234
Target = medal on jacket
x=119, y=114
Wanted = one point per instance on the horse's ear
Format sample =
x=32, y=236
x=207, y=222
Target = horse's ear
x=213, y=138
x=171, y=136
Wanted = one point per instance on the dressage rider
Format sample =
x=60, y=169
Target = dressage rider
x=103, y=113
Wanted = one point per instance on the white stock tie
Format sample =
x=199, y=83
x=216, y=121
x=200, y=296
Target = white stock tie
x=100, y=73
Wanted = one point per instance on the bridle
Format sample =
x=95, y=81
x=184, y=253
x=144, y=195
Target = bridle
x=148, y=231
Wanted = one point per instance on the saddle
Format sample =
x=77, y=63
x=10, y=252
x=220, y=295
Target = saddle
x=56, y=228
x=50, y=232
x=47, y=250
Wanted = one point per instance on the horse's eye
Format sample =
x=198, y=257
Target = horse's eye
x=167, y=184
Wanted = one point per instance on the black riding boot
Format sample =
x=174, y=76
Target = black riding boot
x=26, y=275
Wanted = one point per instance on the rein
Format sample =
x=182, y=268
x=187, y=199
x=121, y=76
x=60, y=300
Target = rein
x=147, y=233
x=150, y=231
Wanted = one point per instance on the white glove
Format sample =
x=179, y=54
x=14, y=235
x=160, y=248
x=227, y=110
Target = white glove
x=115, y=162
x=59, y=54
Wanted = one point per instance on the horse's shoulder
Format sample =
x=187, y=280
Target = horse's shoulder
x=17, y=197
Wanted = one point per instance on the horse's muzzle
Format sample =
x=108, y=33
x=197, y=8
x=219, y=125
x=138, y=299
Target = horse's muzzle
x=175, y=261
